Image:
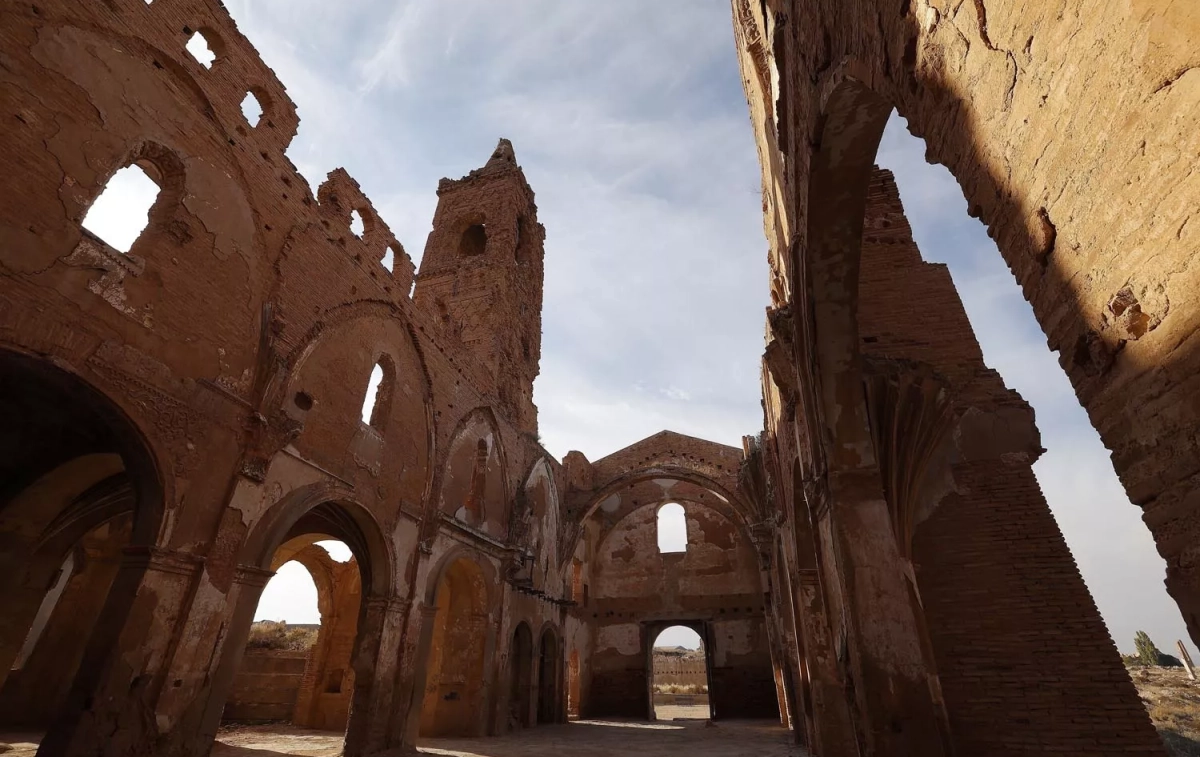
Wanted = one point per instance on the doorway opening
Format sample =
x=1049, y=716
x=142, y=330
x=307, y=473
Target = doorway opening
x=312, y=697
x=679, y=676
x=296, y=666
x=521, y=677
x=548, y=677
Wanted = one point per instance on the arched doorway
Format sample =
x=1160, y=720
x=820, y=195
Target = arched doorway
x=452, y=701
x=78, y=486
x=548, y=669
x=521, y=676
x=296, y=667
x=679, y=675
x=339, y=688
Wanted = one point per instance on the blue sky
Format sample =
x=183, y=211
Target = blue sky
x=630, y=122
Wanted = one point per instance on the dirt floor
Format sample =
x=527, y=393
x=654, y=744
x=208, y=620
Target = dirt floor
x=1173, y=701
x=19, y=744
x=584, y=738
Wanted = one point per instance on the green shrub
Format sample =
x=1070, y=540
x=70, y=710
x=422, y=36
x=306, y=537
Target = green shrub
x=1148, y=654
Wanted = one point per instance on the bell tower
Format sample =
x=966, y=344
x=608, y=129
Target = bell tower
x=482, y=274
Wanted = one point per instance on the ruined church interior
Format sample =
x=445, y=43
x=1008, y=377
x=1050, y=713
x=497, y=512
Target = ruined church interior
x=263, y=370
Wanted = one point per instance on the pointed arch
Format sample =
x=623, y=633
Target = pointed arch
x=473, y=483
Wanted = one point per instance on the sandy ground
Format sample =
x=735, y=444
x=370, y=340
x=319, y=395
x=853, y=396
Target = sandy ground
x=19, y=744
x=585, y=738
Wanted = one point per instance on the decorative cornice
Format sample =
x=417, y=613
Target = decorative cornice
x=161, y=560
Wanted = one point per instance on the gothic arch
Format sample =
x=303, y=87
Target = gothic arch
x=473, y=483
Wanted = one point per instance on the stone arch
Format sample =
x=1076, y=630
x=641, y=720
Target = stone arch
x=473, y=485
x=650, y=634
x=451, y=688
x=327, y=403
x=729, y=503
x=74, y=462
x=536, y=518
x=324, y=695
x=852, y=125
x=329, y=511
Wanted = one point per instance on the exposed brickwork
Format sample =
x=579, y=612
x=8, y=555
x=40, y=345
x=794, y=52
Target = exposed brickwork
x=876, y=474
x=266, y=686
x=206, y=392
x=1012, y=626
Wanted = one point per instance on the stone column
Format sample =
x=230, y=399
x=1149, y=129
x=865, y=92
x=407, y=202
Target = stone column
x=898, y=716
x=824, y=690
x=111, y=707
x=242, y=602
x=377, y=661
x=420, y=658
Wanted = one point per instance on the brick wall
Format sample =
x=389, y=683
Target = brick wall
x=1010, y=621
x=266, y=686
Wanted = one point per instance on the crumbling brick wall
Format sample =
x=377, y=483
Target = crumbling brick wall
x=1012, y=626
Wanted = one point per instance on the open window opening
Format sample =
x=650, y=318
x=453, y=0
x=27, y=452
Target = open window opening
x=389, y=259
x=357, y=226
x=378, y=397
x=672, y=529
x=252, y=109
x=199, y=45
x=122, y=211
x=474, y=241
x=679, y=676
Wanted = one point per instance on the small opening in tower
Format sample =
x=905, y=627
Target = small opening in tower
x=122, y=211
x=389, y=260
x=356, y=223
x=474, y=241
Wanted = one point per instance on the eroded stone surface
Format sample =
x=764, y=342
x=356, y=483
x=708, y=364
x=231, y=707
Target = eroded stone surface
x=876, y=569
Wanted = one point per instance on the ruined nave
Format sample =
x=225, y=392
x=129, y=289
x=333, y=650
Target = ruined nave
x=263, y=369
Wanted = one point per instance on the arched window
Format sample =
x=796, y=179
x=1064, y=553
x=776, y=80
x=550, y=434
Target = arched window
x=122, y=211
x=672, y=528
x=379, y=391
